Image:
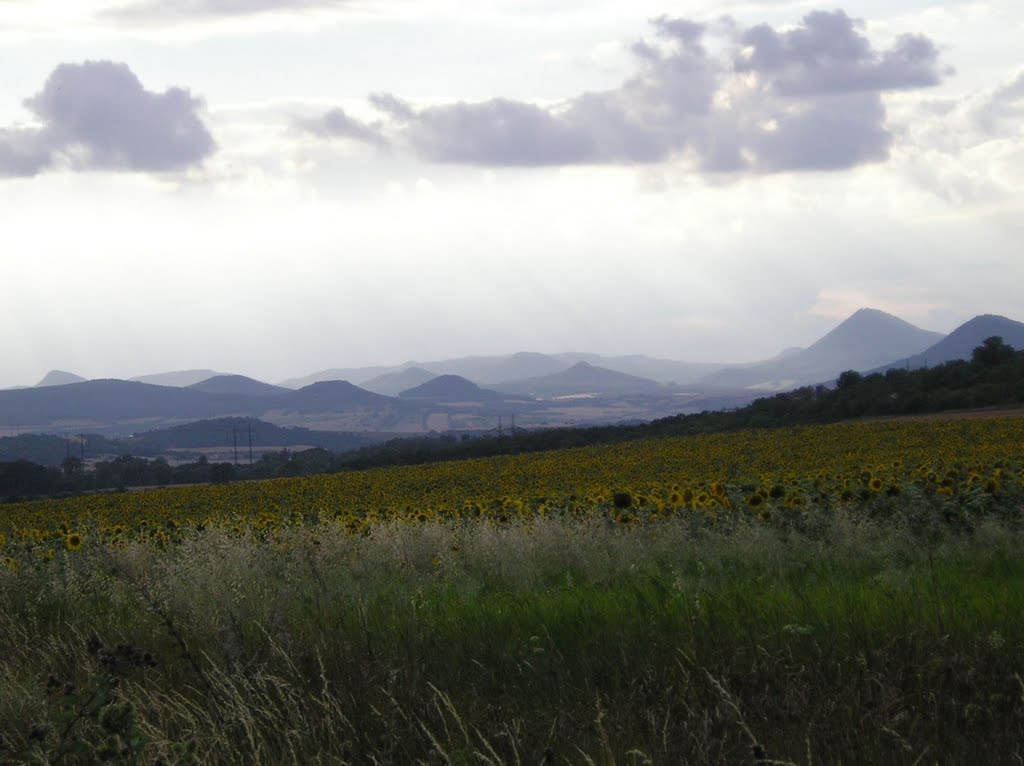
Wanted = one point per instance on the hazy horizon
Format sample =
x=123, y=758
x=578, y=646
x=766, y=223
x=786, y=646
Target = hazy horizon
x=277, y=187
x=405, y=363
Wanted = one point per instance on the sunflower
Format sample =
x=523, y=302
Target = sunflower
x=73, y=541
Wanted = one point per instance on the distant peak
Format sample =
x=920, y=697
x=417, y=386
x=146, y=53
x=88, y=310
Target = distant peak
x=872, y=320
x=987, y=318
x=870, y=313
x=226, y=377
x=325, y=384
x=59, y=378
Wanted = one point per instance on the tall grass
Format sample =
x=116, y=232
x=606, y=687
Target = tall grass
x=558, y=641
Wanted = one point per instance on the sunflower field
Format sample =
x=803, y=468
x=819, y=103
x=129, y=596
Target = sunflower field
x=955, y=467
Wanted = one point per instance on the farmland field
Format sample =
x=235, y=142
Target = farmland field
x=844, y=593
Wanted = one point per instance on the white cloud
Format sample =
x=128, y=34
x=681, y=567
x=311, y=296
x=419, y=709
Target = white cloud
x=806, y=98
x=97, y=115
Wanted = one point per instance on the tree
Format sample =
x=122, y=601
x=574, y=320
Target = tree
x=848, y=379
x=993, y=351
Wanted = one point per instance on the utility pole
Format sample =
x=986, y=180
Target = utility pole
x=250, y=441
x=234, y=440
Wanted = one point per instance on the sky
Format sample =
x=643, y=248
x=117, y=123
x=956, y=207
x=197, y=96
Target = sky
x=275, y=187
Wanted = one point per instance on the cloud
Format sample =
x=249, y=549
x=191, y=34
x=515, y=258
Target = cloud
x=22, y=152
x=335, y=123
x=163, y=11
x=97, y=115
x=396, y=108
x=828, y=55
x=837, y=132
x=719, y=97
x=1003, y=109
x=498, y=132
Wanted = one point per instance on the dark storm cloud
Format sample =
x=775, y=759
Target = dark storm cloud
x=725, y=98
x=335, y=123
x=97, y=115
x=164, y=11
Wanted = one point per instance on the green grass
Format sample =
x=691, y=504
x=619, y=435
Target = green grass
x=559, y=642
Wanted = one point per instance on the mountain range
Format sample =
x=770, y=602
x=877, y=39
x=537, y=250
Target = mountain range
x=468, y=393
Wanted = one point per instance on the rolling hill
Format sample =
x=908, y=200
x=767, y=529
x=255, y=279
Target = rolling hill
x=642, y=366
x=582, y=379
x=394, y=383
x=237, y=384
x=451, y=388
x=328, y=396
x=177, y=379
x=110, y=401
